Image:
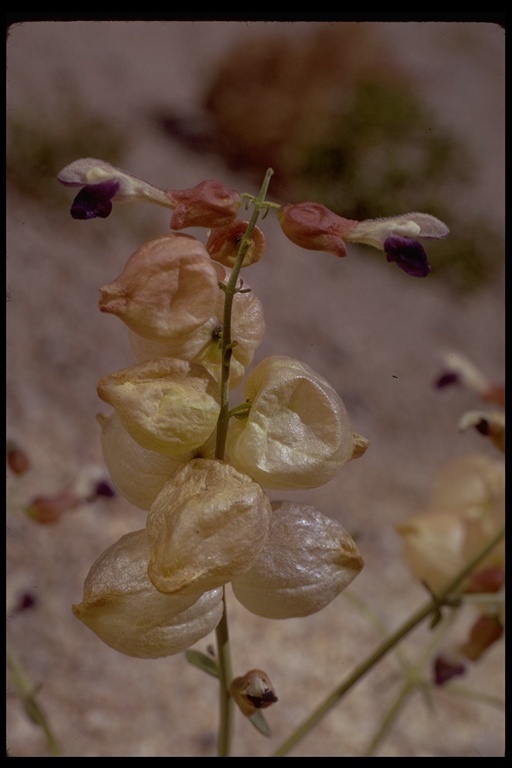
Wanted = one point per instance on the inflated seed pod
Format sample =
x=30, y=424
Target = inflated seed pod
x=297, y=433
x=467, y=509
x=121, y=605
x=208, y=524
x=138, y=473
x=308, y=559
x=247, y=330
x=167, y=405
x=167, y=289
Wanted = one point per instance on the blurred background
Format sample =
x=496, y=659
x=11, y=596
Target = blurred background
x=370, y=119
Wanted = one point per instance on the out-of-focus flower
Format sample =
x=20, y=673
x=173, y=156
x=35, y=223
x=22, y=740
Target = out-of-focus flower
x=459, y=370
x=253, y=691
x=121, y=605
x=489, y=424
x=297, y=432
x=315, y=227
x=17, y=459
x=486, y=631
x=446, y=666
x=467, y=509
x=102, y=183
x=209, y=204
x=49, y=509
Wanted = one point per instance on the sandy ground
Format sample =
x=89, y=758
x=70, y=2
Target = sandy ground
x=374, y=333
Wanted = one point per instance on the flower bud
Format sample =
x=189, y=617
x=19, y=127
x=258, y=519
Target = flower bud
x=208, y=524
x=138, y=473
x=167, y=290
x=209, y=204
x=307, y=561
x=253, y=691
x=167, y=405
x=297, y=433
x=121, y=605
x=17, y=459
x=315, y=227
x=486, y=631
x=224, y=242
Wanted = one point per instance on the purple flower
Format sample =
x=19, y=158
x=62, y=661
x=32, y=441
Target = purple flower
x=102, y=183
x=397, y=237
x=446, y=668
x=94, y=200
x=408, y=254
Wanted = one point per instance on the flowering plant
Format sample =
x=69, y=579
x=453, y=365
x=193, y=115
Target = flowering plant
x=178, y=449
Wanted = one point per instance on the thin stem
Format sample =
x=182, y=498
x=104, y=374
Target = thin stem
x=432, y=607
x=225, y=677
x=27, y=694
x=227, y=343
x=222, y=634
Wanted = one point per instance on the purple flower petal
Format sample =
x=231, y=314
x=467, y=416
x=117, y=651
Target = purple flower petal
x=445, y=669
x=93, y=201
x=408, y=254
x=447, y=379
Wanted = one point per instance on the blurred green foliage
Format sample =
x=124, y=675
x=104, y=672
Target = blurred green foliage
x=38, y=149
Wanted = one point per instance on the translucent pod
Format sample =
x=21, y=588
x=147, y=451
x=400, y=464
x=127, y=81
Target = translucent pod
x=308, y=559
x=167, y=289
x=204, y=345
x=208, y=524
x=297, y=433
x=467, y=509
x=167, y=405
x=138, y=473
x=121, y=605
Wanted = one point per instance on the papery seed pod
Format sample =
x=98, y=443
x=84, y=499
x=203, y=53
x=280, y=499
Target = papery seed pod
x=223, y=244
x=138, y=473
x=467, y=509
x=169, y=406
x=253, y=691
x=167, y=289
x=204, y=346
x=297, y=433
x=208, y=524
x=247, y=332
x=307, y=561
x=121, y=605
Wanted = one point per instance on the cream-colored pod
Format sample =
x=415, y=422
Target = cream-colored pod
x=208, y=524
x=467, y=509
x=297, y=433
x=167, y=289
x=121, y=605
x=167, y=405
x=138, y=474
x=308, y=559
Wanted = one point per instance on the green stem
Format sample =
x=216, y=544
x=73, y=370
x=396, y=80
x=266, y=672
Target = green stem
x=432, y=607
x=27, y=694
x=227, y=343
x=222, y=635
